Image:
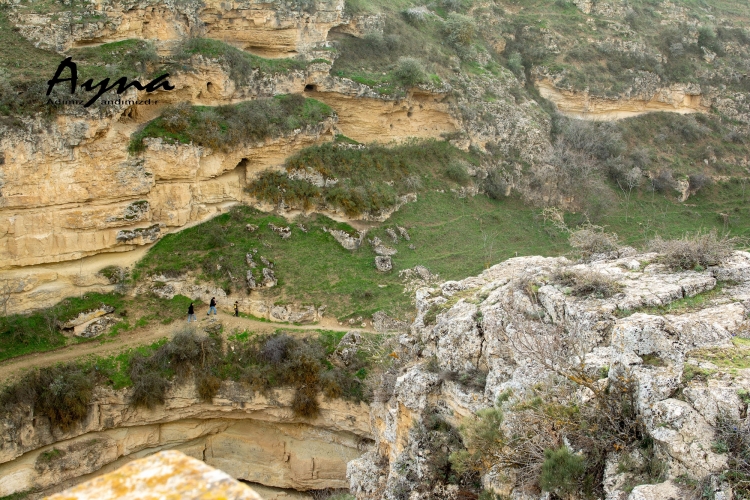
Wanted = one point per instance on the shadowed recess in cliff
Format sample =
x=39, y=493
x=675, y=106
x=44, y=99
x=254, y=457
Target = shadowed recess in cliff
x=241, y=64
x=225, y=127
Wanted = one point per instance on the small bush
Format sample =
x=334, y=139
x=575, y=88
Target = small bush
x=416, y=16
x=305, y=403
x=561, y=471
x=457, y=173
x=693, y=250
x=460, y=29
x=663, y=182
x=410, y=72
x=64, y=394
x=586, y=283
x=207, y=385
x=591, y=240
x=515, y=63
x=733, y=438
x=276, y=349
x=149, y=389
x=698, y=182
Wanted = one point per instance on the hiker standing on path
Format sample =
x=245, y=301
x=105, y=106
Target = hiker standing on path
x=212, y=307
x=236, y=309
x=191, y=313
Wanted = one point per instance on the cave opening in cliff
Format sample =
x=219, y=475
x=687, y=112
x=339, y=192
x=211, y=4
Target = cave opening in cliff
x=209, y=87
x=311, y=87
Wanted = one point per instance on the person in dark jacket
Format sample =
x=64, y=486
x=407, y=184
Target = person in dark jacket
x=236, y=309
x=212, y=307
x=191, y=313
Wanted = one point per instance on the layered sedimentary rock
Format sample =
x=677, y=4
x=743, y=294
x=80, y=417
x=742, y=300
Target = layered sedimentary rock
x=250, y=437
x=676, y=98
x=271, y=29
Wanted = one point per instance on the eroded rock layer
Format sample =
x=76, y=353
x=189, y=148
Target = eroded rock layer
x=250, y=437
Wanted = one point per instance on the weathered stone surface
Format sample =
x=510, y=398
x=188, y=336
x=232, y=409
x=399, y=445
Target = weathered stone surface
x=686, y=437
x=661, y=491
x=164, y=474
x=482, y=322
x=346, y=240
x=86, y=317
x=385, y=250
x=383, y=263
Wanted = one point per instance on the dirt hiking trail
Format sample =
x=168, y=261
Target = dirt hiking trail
x=11, y=369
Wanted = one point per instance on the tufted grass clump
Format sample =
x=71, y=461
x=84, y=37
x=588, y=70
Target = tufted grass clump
x=562, y=471
x=586, y=283
x=590, y=240
x=694, y=251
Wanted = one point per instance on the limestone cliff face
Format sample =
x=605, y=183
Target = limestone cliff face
x=270, y=29
x=476, y=324
x=677, y=98
x=250, y=437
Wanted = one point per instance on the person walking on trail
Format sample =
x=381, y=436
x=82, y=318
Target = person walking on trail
x=236, y=309
x=212, y=307
x=191, y=313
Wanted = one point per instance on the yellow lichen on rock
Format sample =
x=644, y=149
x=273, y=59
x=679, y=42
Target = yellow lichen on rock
x=165, y=475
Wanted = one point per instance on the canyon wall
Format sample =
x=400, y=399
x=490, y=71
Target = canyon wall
x=251, y=437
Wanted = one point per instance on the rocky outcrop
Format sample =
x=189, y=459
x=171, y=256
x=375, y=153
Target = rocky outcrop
x=677, y=98
x=248, y=436
x=167, y=287
x=167, y=473
x=485, y=324
x=271, y=29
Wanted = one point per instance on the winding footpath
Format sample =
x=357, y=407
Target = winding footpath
x=11, y=369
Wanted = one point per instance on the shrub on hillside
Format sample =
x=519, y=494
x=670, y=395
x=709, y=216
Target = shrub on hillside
x=149, y=389
x=733, y=438
x=61, y=393
x=207, y=385
x=416, y=16
x=457, y=173
x=562, y=471
x=409, y=72
x=663, y=182
x=694, y=251
x=591, y=239
x=698, y=182
x=460, y=29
